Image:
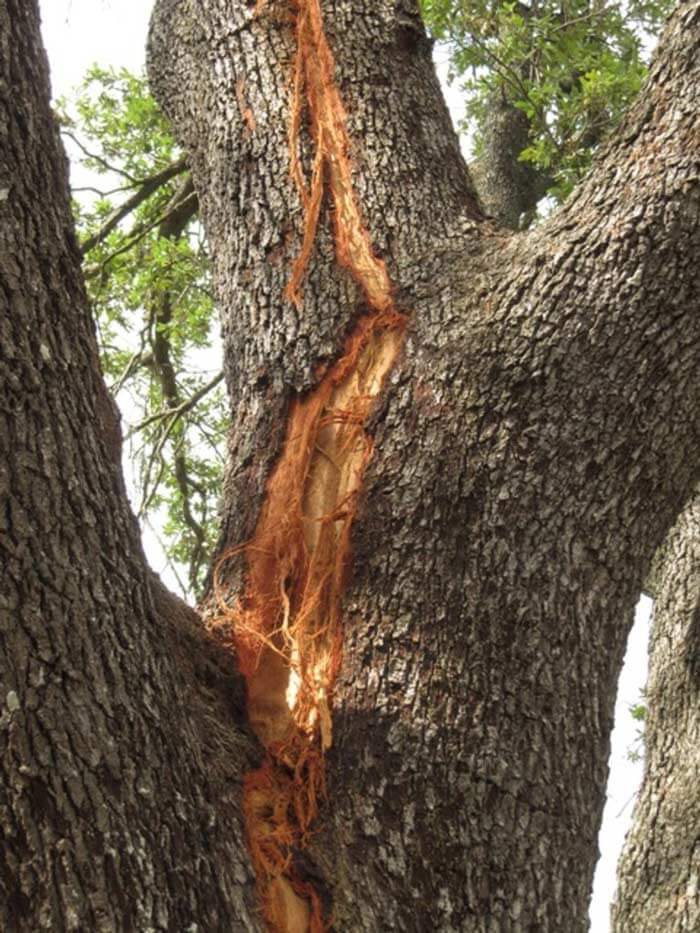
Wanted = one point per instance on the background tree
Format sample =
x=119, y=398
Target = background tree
x=545, y=83
x=535, y=440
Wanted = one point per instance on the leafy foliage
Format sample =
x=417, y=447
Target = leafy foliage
x=147, y=270
x=571, y=66
x=638, y=712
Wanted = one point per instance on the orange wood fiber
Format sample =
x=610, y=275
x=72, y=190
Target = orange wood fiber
x=315, y=91
x=287, y=625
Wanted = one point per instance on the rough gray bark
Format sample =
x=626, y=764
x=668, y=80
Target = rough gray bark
x=659, y=886
x=119, y=743
x=533, y=446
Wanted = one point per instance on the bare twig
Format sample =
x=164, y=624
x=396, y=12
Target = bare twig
x=98, y=158
x=179, y=410
x=99, y=192
x=137, y=360
x=147, y=187
x=169, y=563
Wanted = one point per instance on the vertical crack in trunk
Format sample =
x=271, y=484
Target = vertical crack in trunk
x=287, y=625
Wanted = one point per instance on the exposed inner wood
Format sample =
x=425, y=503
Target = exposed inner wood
x=288, y=630
x=287, y=623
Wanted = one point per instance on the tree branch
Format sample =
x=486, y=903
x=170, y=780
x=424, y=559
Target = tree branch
x=181, y=409
x=107, y=166
x=142, y=230
x=147, y=187
x=615, y=271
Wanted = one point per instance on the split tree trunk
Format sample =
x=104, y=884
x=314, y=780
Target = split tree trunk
x=532, y=447
x=533, y=444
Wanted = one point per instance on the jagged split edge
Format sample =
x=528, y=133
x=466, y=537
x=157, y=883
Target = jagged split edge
x=286, y=627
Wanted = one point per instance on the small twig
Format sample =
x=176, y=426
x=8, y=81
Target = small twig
x=135, y=361
x=179, y=410
x=169, y=563
x=98, y=192
x=147, y=187
x=138, y=234
x=592, y=14
x=100, y=159
x=628, y=802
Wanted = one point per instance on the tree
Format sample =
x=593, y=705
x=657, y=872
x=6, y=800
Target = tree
x=543, y=87
x=503, y=426
x=545, y=83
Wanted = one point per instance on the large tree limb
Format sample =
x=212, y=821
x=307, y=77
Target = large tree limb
x=106, y=682
x=658, y=887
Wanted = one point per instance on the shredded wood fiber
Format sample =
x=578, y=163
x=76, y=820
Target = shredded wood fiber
x=287, y=625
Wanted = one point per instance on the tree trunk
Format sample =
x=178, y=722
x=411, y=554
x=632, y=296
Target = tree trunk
x=508, y=188
x=660, y=867
x=119, y=741
x=530, y=404
x=532, y=444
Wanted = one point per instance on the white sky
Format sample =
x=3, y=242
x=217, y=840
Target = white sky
x=78, y=33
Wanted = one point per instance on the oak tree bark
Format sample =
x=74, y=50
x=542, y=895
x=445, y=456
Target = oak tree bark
x=119, y=740
x=659, y=877
x=533, y=444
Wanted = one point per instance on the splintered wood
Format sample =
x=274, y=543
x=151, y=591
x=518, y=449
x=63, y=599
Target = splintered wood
x=287, y=624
